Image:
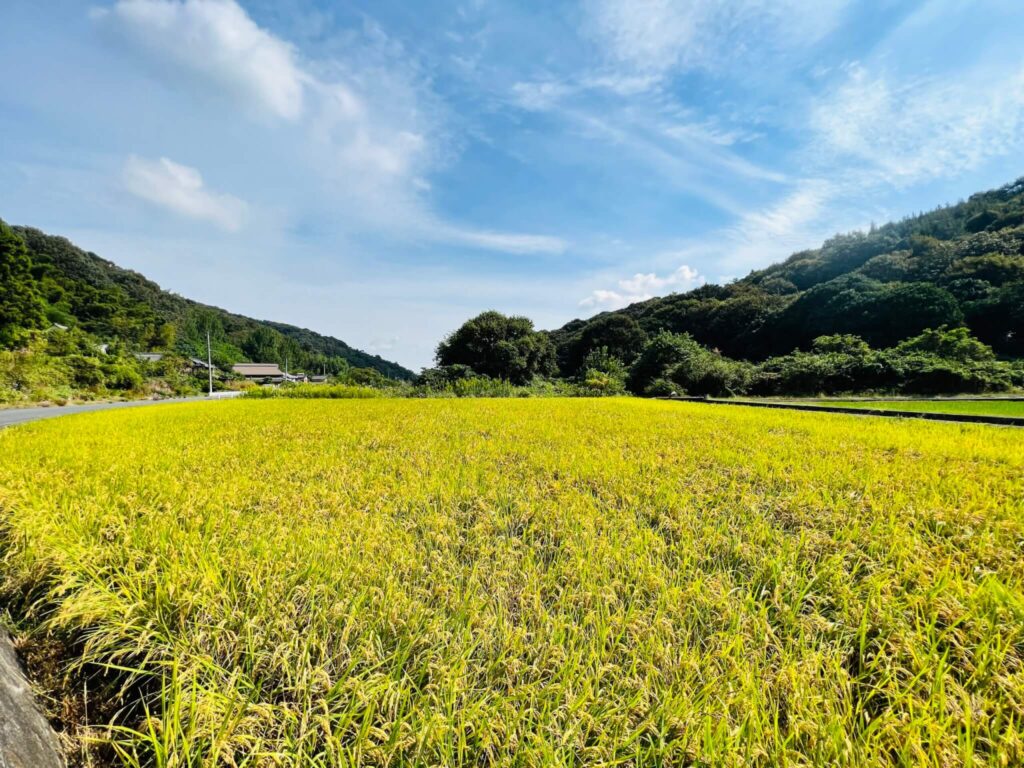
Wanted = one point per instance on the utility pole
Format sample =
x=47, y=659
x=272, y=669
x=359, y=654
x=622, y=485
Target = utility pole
x=209, y=359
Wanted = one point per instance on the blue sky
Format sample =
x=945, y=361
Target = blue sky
x=382, y=170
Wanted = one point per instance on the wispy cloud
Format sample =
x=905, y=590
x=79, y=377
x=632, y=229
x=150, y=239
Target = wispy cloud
x=367, y=122
x=507, y=242
x=800, y=219
x=641, y=287
x=656, y=37
x=690, y=160
x=913, y=130
x=540, y=95
x=180, y=189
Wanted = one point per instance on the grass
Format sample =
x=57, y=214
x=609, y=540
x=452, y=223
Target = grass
x=524, y=582
x=974, y=407
x=314, y=391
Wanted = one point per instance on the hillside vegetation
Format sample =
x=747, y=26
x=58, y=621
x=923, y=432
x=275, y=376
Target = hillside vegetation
x=521, y=582
x=960, y=266
x=76, y=319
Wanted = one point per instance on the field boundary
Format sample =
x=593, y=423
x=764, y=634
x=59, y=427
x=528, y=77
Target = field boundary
x=963, y=418
x=995, y=399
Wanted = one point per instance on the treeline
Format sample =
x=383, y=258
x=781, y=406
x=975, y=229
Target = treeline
x=614, y=355
x=940, y=361
x=934, y=303
x=71, y=324
x=961, y=265
x=931, y=304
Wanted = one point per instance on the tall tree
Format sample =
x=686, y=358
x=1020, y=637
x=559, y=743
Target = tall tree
x=501, y=347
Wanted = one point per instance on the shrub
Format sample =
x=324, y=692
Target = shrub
x=661, y=388
x=122, y=375
x=929, y=374
x=949, y=344
x=601, y=382
x=662, y=353
x=1017, y=373
x=711, y=375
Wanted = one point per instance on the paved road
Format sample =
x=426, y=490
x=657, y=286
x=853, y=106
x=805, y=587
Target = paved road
x=9, y=416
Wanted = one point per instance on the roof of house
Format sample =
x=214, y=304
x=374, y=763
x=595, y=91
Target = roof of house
x=150, y=357
x=258, y=369
x=197, y=363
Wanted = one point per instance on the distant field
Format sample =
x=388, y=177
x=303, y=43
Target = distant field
x=526, y=582
x=987, y=408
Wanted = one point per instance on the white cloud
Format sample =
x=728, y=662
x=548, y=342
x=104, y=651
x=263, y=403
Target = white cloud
x=917, y=130
x=366, y=122
x=180, y=188
x=655, y=37
x=641, y=287
x=213, y=40
x=789, y=215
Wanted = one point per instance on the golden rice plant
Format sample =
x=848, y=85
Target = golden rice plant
x=526, y=582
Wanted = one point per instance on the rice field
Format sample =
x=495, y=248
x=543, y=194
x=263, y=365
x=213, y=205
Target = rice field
x=992, y=407
x=537, y=582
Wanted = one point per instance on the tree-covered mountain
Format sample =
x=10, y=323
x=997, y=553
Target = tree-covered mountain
x=48, y=281
x=959, y=265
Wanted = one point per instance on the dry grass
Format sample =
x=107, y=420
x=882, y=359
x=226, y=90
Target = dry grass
x=528, y=582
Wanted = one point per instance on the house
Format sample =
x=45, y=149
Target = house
x=266, y=373
x=261, y=373
x=149, y=357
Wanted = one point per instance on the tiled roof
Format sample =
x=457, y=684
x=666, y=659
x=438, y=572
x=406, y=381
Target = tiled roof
x=258, y=369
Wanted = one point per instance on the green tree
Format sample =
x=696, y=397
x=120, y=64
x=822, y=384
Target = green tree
x=998, y=319
x=620, y=336
x=844, y=344
x=993, y=268
x=502, y=347
x=263, y=345
x=21, y=307
x=164, y=337
x=949, y=344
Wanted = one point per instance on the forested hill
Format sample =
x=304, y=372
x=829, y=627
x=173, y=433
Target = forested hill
x=958, y=265
x=79, y=289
